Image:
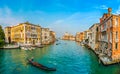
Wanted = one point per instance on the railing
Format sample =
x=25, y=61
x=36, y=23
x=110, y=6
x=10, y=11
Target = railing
x=17, y=37
x=104, y=29
x=34, y=37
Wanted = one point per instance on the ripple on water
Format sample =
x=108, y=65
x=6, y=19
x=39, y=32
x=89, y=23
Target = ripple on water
x=67, y=57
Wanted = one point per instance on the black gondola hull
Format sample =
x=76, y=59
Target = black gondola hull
x=41, y=66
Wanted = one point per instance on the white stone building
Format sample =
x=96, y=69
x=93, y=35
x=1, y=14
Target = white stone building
x=45, y=35
x=92, y=37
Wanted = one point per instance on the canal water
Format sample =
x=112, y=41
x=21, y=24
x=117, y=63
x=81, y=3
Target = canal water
x=68, y=58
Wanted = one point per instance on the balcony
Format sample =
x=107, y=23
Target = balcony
x=34, y=37
x=104, y=30
x=28, y=36
x=104, y=40
x=17, y=36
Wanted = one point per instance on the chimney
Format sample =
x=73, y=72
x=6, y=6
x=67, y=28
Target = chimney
x=109, y=10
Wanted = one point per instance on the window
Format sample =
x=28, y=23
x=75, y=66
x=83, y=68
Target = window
x=116, y=45
x=45, y=37
x=105, y=25
x=116, y=35
x=110, y=22
x=97, y=29
x=106, y=36
x=8, y=32
x=116, y=22
x=111, y=37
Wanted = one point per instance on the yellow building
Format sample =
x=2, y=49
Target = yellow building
x=25, y=33
x=7, y=34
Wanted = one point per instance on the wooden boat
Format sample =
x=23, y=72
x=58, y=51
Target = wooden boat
x=40, y=46
x=10, y=47
x=27, y=48
x=41, y=66
x=57, y=43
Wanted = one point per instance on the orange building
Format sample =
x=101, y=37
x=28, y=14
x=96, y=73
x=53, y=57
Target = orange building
x=68, y=36
x=79, y=36
x=109, y=35
x=65, y=36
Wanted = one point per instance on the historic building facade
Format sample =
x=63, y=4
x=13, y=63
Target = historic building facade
x=109, y=35
x=29, y=34
x=68, y=36
x=26, y=33
x=79, y=36
x=52, y=37
x=45, y=35
x=93, y=36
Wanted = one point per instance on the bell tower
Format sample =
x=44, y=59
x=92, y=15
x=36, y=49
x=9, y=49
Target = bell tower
x=109, y=10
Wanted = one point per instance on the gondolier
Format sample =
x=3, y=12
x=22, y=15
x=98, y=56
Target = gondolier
x=36, y=64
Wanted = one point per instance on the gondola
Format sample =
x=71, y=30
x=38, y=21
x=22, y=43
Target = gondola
x=40, y=66
x=56, y=43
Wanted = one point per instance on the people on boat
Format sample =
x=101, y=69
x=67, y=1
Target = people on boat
x=32, y=58
x=36, y=64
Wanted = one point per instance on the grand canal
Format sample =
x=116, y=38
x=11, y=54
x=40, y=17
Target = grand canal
x=68, y=58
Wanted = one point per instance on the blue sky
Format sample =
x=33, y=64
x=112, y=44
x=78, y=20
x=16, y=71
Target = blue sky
x=59, y=15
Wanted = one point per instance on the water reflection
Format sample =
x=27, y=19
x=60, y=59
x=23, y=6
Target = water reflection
x=68, y=57
x=1, y=61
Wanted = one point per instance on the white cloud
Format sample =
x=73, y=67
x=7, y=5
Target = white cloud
x=118, y=11
x=76, y=22
x=57, y=22
x=102, y=7
x=7, y=17
x=5, y=11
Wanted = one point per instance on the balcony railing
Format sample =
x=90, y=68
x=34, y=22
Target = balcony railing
x=34, y=37
x=104, y=29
